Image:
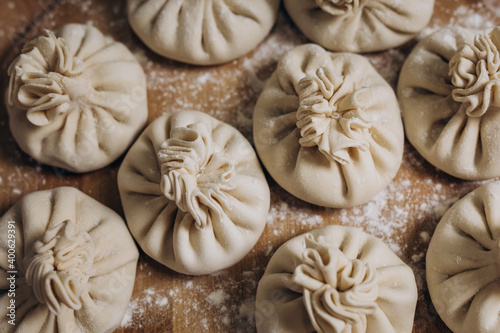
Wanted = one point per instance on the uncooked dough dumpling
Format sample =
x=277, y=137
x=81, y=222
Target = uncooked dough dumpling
x=360, y=25
x=202, y=32
x=336, y=279
x=463, y=261
x=328, y=128
x=76, y=98
x=74, y=262
x=449, y=90
x=194, y=194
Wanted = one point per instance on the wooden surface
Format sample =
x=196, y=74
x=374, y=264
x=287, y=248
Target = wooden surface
x=404, y=215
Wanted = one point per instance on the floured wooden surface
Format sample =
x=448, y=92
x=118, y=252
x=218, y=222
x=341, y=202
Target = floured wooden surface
x=404, y=215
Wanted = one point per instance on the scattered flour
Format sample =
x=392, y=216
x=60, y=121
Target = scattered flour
x=424, y=235
x=418, y=257
x=161, y=301
x=474, y=16
x=217, y=297
x=127, y=318
x=442, y=206
x=137, y=307
x=388, y=64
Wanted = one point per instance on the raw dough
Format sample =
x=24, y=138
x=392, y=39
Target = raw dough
x=202, y=32
x=449, y=90
x=463, y=261
x=194, y=194
x=360, y=25
x=328, y=128
x=75, y=264
x=336, y=279
x=76, y=99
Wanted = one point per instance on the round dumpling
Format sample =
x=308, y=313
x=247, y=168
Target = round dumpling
x=463, y=260
x=449, y=90
x=336, y=279
x=202, y=32
x=328, y=128
x=194, y=194
x=67, y=264
x=360, y=25
x=76, y=99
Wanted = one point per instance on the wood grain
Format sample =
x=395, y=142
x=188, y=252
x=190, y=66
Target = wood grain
x=165, y=301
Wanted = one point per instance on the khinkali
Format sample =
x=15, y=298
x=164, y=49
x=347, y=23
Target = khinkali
x=449, y=90
x=202, y=32
x=336, y=279
x=360, y=25
x=463, y=259
x=72, y=261
x=194, y=194
x=76, y=98
x=328, y=128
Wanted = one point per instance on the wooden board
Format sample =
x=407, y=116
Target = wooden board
x=404, y=215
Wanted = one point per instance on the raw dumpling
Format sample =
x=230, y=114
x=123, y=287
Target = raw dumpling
x=202, y=32
x=328, y=128
x=194, y=194
x=463, y=258
x=76, y=99
x=73, y=262
x=449, y=90
x=336, y=279
x=360, y=25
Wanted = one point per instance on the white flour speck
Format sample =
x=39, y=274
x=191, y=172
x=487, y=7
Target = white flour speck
x=217, y=297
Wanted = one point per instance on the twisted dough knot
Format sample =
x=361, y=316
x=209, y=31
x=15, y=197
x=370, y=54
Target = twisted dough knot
x=338, y=7
x=195, y=174
x=475, y=73
x=337, y=292
x=330, y=115
x=45, y=80
x=59, y=269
